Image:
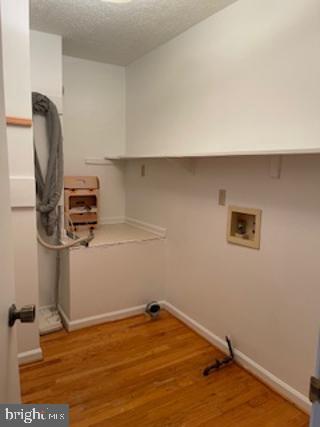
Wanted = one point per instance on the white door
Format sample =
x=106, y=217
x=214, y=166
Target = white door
x=9, y=374
x=315, y=417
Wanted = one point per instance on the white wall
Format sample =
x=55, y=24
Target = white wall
x=46, y=78
x=267, y=299
x=16, y=58
x=46, y=65
x=246, y=79
x=94, y=124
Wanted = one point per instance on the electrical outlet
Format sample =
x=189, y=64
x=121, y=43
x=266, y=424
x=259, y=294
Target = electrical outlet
x=222, y=197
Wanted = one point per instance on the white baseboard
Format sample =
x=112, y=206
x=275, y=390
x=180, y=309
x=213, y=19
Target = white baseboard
x=73, y=325
x=288, y=392
x=155, y=229
x=30, y=356
x=160, y=231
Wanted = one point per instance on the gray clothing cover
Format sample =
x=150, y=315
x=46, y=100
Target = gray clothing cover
x=49, y=189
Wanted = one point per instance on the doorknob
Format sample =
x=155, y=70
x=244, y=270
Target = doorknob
x=26, y=314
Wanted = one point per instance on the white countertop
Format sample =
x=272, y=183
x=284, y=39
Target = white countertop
x=115, y=234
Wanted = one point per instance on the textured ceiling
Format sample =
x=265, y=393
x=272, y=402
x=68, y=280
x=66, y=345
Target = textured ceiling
x=118, y=33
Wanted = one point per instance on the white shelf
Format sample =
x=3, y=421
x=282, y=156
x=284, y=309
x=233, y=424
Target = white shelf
x=97, y=161
x=217, y=154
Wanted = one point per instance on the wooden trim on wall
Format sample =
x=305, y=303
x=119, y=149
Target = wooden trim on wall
x=18, y=121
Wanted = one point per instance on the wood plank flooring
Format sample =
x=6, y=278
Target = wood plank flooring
x=137, y=372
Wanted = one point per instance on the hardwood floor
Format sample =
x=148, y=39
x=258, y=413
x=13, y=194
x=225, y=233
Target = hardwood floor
x=137, y=373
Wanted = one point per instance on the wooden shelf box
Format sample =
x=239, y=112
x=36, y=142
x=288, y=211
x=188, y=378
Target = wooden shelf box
x=81, y=201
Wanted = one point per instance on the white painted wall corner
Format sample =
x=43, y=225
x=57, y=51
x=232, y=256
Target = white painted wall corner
x=275, y=383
